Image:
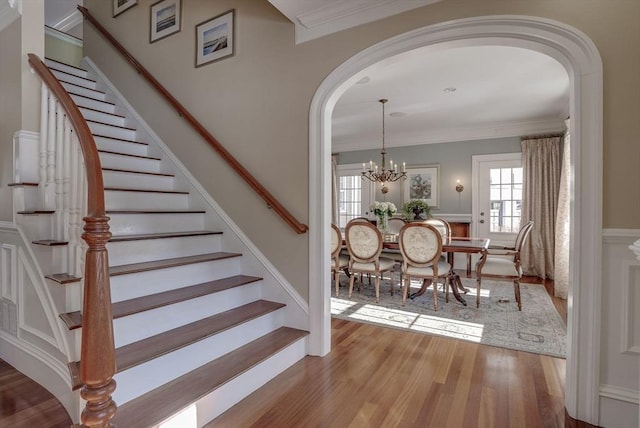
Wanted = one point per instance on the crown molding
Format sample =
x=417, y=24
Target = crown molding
x=317, y=18
x=68, y=22
x=10, y=10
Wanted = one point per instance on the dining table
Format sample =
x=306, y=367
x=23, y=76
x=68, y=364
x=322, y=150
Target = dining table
x=450, y=245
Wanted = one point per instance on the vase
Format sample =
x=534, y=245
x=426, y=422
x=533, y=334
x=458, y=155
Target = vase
x=383, y=223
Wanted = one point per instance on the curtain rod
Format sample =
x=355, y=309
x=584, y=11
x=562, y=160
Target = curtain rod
x=535, y=137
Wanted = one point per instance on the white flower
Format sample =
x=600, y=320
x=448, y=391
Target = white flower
x=383, y=208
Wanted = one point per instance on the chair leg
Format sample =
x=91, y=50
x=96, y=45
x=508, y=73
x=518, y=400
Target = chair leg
x=404, y=287
x=391, y=281
x=435, y=293
x=377, y=281
x=477, y=292
x=516, y=289
x=447, y=284
x=351, y=284
x=337, y=282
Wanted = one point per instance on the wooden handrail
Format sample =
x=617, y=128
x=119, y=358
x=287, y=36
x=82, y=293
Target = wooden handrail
x=271, y=201
x=97, y=354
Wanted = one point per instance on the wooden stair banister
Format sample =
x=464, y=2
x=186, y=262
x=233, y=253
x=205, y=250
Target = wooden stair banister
x=271, y=201
x=97, y=354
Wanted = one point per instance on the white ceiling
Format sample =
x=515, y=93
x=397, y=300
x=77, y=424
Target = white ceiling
x=500, y=91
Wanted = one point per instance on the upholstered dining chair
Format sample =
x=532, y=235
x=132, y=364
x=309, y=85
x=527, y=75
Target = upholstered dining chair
x=394, y=224
x=364, y=243
x=338, y=261
x=503, y=263
x=421, y=247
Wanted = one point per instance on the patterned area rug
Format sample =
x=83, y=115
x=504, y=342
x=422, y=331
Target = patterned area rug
x=538, y=328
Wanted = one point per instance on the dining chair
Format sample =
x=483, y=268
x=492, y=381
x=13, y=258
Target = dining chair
x=421, y=247
x=394, y=224
x=364, y=244
x=503, y=263
x=338, y=261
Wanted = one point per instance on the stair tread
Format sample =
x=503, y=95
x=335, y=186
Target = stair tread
x=103, y=112
x=125, y=189
x=50, y=242
x=47, y=59
x=90, y=98
x=124, y=140
x=110, y=124
x=161, y=403
x=152, y=347
x=138, y=172
x=30, y=212
x=125, y=308
x=51, y=67
x=156, y=211
x=177, y=261
x=109, y=152
x=22, y=184
x=82, y=87
x=120, y=238
x=63, y=278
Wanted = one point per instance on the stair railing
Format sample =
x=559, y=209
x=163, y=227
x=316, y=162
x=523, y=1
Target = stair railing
x=271, y=201
x=62, y=189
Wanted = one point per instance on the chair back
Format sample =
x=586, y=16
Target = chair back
x=420, y=244
x=356, y=219
x=441, y=225
x=394, y=225
x=336, y=240
x=523, y=234
x=364, y=241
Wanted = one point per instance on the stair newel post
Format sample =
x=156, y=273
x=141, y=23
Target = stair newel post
x=97, y=363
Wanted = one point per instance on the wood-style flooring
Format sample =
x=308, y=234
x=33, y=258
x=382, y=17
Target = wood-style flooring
x=374, y=377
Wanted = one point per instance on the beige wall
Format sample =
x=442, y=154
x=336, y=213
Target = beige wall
x=10, y=108
x=257, y=102
x=57, y=48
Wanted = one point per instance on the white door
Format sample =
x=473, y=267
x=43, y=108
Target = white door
x=355, y=195
x=497, y=197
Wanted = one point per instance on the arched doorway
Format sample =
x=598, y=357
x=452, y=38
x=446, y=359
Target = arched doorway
x=575, y=51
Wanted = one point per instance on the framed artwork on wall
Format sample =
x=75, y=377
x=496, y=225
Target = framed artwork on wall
x=215, y=38
x=120, y=6
x=423, y=182
x=166, y=16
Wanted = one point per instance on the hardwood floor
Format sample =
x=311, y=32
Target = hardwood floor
x=374, y=376
x=25, y=404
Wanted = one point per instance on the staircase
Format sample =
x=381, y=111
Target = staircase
x=192, y=326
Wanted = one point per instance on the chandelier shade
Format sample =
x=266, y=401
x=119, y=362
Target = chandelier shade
x=383, y=175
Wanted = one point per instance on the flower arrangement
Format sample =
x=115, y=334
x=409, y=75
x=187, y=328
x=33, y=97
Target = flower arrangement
x=384, y=208
x=415, y=208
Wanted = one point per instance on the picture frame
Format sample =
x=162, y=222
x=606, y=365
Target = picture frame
x=166, y=19
x=423, y=182
x=120, y=6
x=215, y=38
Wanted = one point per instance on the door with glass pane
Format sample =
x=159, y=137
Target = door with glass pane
x=497, y=197
x=354, y=194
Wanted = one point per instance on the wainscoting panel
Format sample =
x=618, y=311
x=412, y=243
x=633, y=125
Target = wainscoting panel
x=620, y=345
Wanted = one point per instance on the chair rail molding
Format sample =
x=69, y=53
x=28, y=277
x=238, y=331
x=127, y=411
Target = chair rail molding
x=578, y=54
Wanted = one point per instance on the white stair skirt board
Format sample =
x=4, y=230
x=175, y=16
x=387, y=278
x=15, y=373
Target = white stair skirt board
x=145, y=250
x=142, y=181
x=121, y=224
x=145, y=377
x=217, y=402
x=130, y=286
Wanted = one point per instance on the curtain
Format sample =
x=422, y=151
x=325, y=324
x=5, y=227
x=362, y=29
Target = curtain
x=334, y=189
x=561, y=271
x=541, y=173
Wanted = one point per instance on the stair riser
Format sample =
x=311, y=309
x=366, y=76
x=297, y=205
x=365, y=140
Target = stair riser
x=75, y=89
x=141, y=379
x=120, y=146
x=51, y=259
x=126, y=252
x=124, y=287
x=118, y=199
x=149, y=323
x=76, y=80
x=66, y=68
x=130, y=163
x=102, y=117
x=222, y=399
x=25, y=198
x=122, y=224
x=112, y=131
x=129, y=180
x=94, y=104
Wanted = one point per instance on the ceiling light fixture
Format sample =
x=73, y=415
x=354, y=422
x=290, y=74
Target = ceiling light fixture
x=385, y=175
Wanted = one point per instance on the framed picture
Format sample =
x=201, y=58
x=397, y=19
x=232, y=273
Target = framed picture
x=423, y=182
x=214, y=38
x=120, y=6
x=166, y=16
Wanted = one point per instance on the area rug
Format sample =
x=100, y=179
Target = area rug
x=538, y=328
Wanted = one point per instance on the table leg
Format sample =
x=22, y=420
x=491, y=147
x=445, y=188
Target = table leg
x=456, y=286
x=425, y=284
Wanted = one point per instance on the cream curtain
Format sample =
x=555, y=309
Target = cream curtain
x=563, y=218
x=541, y=171
x=334, y=189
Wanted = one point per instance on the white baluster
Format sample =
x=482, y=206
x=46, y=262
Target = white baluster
x=59, y=165
x=83, y=213
x=49, y=201
x=66, y=190
x=44, y=115
x=74, y=208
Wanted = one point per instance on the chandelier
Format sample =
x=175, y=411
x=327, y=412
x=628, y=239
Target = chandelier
x=384, y=175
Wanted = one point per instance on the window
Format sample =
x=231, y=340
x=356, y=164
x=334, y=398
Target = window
x=354, y=194
x=505, y=199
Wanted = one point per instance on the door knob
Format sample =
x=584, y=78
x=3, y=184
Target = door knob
x=481, y=221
